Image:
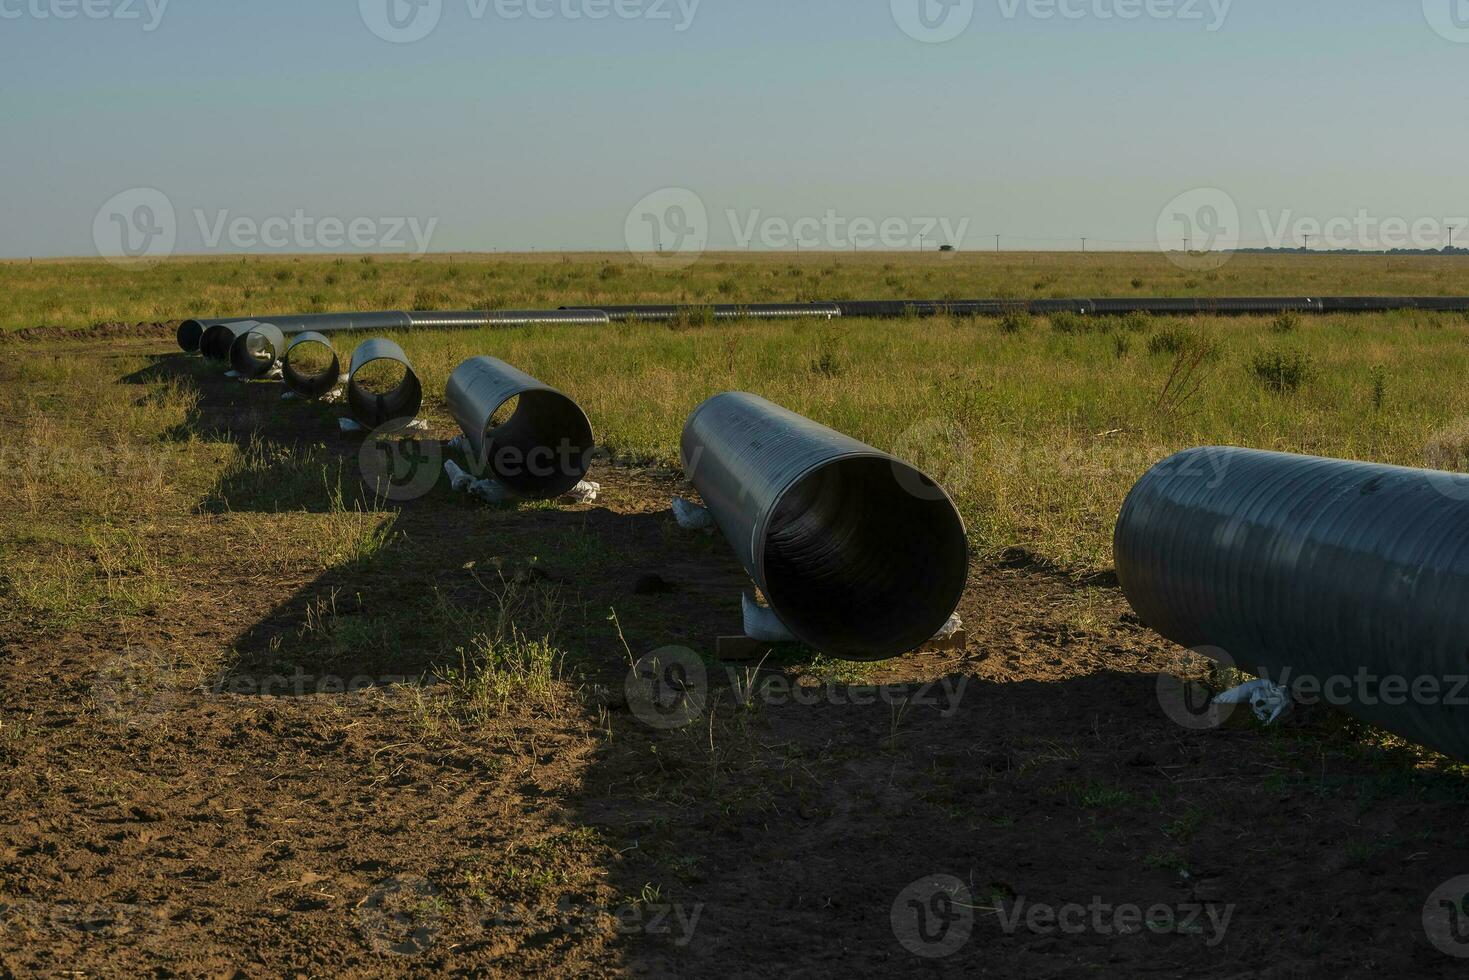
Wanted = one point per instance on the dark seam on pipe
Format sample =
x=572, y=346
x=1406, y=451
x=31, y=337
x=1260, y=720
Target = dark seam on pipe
x=311, y=385
x=399, y=405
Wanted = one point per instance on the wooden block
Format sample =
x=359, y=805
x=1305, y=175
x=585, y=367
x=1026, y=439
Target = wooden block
x=958, y=641
x=740, y=648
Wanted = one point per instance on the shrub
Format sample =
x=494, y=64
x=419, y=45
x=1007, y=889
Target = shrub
x=1448, y=449
x=1285, y=323
x=1137, y=322
x=1121, y=345
x=1283, y=371
x=1070, y=323
x=1014, y=321
x=1173, y=341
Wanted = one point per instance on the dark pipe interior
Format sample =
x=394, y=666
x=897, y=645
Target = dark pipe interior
x=190, y=332
x=298, y=373
x=374, y=408
x=252, y=354
x=544, y=449
x=861, y=567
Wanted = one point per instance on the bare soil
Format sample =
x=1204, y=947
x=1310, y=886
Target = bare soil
x=260, y=826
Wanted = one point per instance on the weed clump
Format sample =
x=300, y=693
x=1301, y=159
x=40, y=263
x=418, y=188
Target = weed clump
x=1015, y=321
x=1283, y=371
x=1285, y=323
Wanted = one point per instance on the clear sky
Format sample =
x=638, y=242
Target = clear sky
x=503, y=130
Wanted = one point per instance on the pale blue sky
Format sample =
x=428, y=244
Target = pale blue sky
x=520, y=133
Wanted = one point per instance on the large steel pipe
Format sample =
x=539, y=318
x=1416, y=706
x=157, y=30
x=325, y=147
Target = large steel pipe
x=220, y=338
x=542, y=450
x=375, y=409
x=859, y=554
x=1353, y=575
x=190, y=332
x=255, y=351
x=300, y=377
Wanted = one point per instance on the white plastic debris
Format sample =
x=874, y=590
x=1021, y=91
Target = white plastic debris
x=351, y=425
x=334, y=396
x=954, y=625
x=1267, y=699
x=459, y=481
x=692, y=517
x=288, y=396
x=762, y=624
x=232, y=374
x=275, y=373
x=459, y=444
x=585, y=492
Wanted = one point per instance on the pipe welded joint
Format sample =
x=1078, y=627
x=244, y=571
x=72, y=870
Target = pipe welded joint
x=859, y=554
x=376, y=409
x=302, y=379
x=542, y=450
x=1350, y=577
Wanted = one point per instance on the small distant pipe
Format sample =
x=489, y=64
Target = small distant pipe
x=309, y=384
x=377, y=410
x=543, y=450
x=859, y=554
x=255, y=351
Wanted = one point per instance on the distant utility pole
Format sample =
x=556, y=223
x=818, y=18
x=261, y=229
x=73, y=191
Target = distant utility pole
x=1308, y=243
x=1083, y=245
x=997, y=244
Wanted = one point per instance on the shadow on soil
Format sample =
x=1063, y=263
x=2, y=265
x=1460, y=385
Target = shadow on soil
x=804, y=821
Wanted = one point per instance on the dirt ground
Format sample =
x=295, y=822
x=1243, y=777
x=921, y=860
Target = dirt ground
x=310, y=811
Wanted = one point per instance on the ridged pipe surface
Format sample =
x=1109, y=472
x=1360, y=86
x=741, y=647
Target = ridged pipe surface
x=255, y=351
x=310, y=384
x=1296, y=566
x=859, y=554
x=373, y=409
x=542, y=450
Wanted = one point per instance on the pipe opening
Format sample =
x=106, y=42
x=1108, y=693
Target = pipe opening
x=384, y=390
x=190, y=333
x=859, y=566
x=217, y=340
x=311, y=367
x=539, y=444
x=254, y=353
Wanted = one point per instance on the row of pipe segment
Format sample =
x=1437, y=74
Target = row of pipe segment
x=1349, y=577
x=859, y=554
x=191, y=332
